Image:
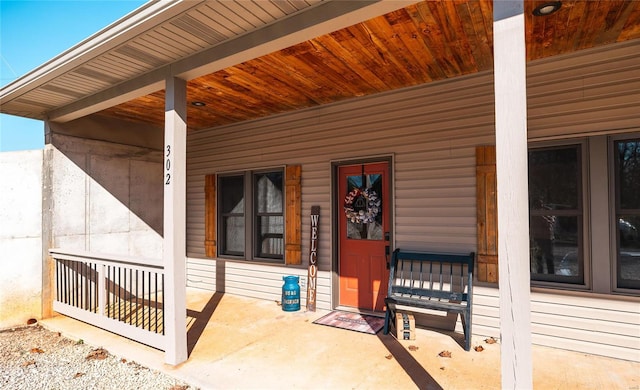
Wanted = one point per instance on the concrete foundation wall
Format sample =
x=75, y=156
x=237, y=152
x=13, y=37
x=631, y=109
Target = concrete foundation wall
x=20, y=237
x=106, y=197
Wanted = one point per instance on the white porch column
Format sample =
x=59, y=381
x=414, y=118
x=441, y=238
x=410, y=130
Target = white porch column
x=174, y=243
x=513, y=210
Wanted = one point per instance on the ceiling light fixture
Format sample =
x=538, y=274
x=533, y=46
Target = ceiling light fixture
x=547, y=8
x=198, y=104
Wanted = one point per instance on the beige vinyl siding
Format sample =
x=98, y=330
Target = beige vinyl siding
x=254, y=280
x=431, y=132
x=589, y=92
x=582, y=322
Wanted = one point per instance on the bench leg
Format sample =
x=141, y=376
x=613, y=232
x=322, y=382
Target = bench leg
x=466, y=325
x=387, y=317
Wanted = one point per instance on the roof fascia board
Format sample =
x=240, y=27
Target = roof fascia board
x=133, y=24
x=143, y=85
x=324, y=18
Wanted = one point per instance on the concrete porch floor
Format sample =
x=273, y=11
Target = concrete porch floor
x=244, y=343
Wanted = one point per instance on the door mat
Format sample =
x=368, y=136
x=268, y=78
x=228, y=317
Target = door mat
x=352, y=321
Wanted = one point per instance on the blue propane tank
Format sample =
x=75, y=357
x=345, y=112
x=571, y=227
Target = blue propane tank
x=291, y=293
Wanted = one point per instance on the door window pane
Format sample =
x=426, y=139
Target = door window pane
x=555, y=209
x=627, y=172
x=363, y=207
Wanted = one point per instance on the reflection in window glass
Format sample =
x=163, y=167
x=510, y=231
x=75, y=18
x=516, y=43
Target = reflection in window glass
x=368, y=230
x=555, y=210
x=627, y=176
x=554, y=179
x=269, y=220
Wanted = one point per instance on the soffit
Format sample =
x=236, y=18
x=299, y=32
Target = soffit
x=155, y=35
x=424, y=42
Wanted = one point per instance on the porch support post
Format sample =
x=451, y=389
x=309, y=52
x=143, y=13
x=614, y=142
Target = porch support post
x=513, y=210
x=102, y=289
x=174, y=242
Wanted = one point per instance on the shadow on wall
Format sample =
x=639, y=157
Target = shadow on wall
x=115, y=196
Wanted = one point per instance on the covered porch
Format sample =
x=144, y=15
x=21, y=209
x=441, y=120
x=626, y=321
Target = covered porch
x=239, y=342
x=192, y=113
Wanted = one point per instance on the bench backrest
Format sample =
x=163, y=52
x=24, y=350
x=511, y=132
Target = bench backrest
x=441, y=276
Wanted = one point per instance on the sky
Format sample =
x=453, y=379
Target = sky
x=33, y=32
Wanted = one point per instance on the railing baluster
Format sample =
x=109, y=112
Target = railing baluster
x=119, y=294
x=63, y=282
x=83, y=285
x=90, y=286
x=96, y=287
x=66, y=282
x=143, y=295
x=137, y=301
x=149, y=301
x=73, y=290
x=58, y=281
x=69, y=283
x=86, y=273
x=81, y=289
x=72, y=281
x=78, y=284
x=156, y=301
x=130, y=292
x=101, y=287
x=75, y=284
x=124, y=293
x=163, y=303
x=93, y=296
x=109, y=292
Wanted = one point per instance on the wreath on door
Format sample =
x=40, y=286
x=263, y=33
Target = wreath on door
x=362, y=205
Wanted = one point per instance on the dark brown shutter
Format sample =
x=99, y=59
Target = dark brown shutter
x=210, y=215
x=293, y=213
x=487, y=201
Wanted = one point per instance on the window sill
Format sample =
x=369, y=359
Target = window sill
x=262, y=262
x=617, y=296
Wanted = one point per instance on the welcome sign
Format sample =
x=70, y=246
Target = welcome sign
x=312, y=275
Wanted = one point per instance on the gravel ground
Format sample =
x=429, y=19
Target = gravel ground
x=32, y=357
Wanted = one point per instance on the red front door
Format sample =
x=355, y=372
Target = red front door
x=363, y=228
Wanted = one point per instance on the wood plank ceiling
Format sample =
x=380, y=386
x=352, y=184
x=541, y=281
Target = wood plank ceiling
x=428, y=41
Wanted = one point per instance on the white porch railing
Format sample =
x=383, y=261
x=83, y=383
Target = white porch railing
x=120, y=294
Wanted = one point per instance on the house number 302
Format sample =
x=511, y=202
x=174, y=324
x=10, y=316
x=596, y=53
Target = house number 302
x=167, y=166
